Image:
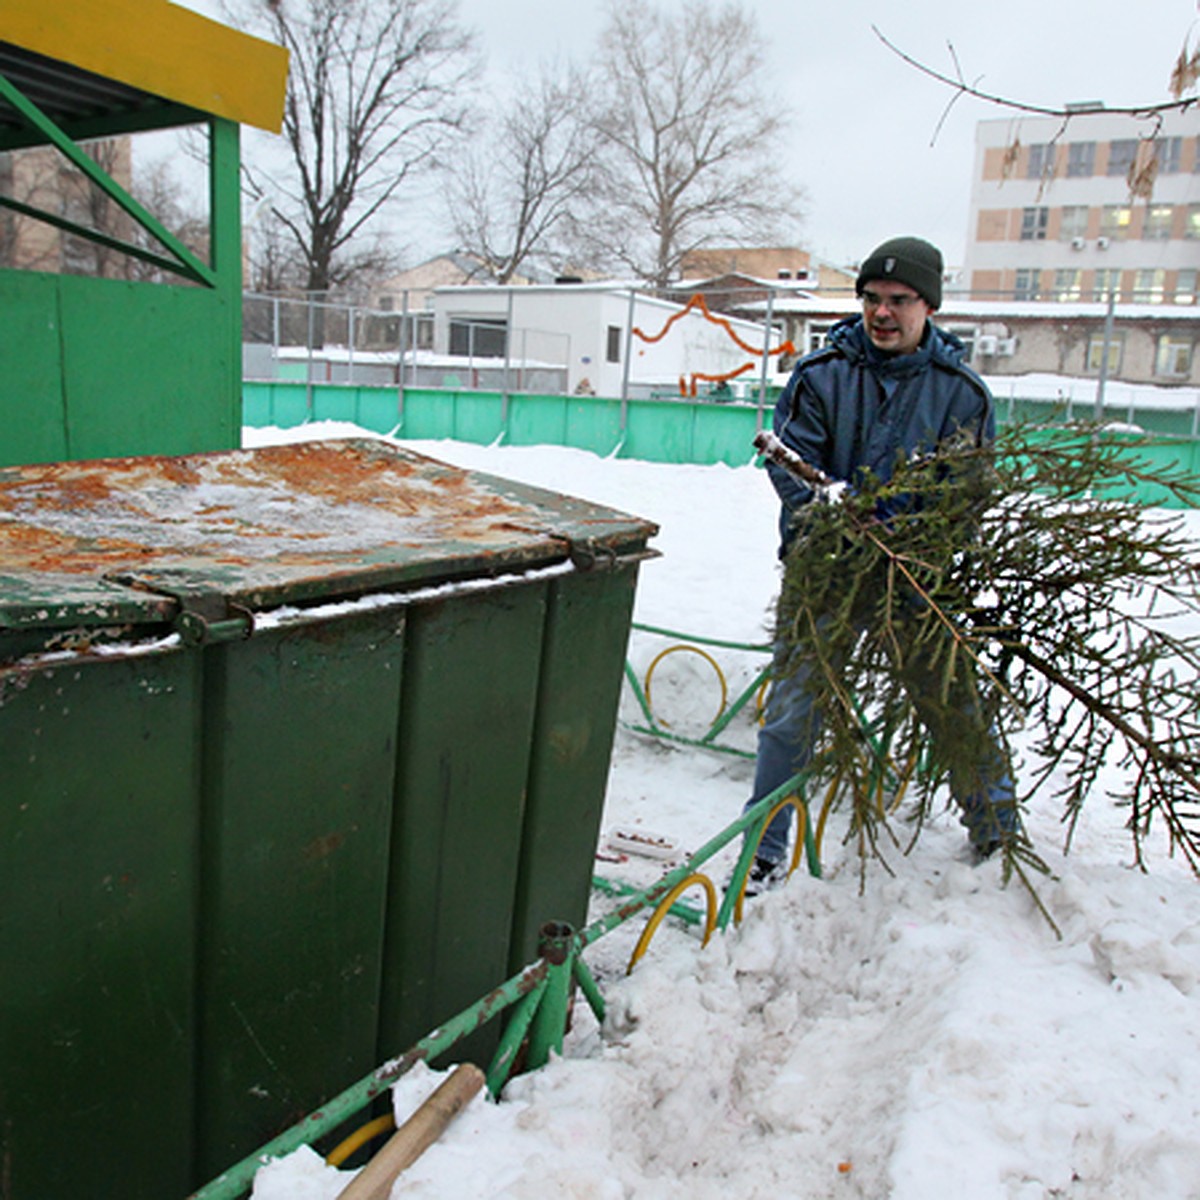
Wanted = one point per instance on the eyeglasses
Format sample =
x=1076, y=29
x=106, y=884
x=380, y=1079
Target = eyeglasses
x=895, y=303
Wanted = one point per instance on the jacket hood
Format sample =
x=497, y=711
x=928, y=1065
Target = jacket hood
x=849, y=336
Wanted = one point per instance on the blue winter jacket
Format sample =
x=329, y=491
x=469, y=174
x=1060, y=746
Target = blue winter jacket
x=848, y=408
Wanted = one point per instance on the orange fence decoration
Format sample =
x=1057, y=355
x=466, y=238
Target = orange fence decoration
x=688, y=388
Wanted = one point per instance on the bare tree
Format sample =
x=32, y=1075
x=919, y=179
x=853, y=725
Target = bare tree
x=690, y=137
x=376, y=90
x=523, y=180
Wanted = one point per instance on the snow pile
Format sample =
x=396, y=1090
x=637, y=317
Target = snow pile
x=928, y=1035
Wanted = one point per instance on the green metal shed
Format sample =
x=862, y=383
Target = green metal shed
x=102, y=366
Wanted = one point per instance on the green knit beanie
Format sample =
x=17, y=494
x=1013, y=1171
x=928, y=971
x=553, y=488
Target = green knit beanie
x=906, y=260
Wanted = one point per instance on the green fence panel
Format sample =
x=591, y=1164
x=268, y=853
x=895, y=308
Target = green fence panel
x=663, y=430
x=724, y=433
x=377, y=409
x=478, y=416
x=660, y=431
x=428, y=413
x=594, y=424
x=536, y=421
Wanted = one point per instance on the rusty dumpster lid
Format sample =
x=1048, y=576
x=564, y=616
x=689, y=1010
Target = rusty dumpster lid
x=123, y=539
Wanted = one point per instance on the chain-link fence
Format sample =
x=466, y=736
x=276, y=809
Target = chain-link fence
x=285, y=338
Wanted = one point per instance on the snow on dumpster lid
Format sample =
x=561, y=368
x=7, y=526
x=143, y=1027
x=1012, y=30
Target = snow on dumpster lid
x=94, y=541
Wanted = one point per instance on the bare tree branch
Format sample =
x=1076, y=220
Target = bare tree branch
x=961, y=88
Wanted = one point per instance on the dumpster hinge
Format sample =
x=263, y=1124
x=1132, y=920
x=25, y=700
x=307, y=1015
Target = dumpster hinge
x=590, y=555
x=203, y=618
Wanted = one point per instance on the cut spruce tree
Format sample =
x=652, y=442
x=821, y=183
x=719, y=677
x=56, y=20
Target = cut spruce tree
x=1028, y=584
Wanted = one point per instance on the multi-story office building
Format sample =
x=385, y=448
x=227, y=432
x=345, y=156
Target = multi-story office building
x=1076, y=210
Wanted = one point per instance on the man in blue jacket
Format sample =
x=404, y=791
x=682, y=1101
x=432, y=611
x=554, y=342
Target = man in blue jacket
x=888, y=382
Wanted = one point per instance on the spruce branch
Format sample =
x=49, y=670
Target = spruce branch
x=1020, y=584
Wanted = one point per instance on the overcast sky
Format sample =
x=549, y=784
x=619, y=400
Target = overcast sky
x=861, y=140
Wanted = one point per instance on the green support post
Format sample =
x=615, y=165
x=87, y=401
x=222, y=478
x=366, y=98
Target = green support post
x=557, y=949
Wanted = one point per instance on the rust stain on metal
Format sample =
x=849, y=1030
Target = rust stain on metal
x=292, y=504
x=322, y=847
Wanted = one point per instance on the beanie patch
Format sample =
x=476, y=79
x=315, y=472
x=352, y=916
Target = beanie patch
x=907, y=260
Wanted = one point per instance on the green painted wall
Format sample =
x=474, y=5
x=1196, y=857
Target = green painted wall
x=101, y=367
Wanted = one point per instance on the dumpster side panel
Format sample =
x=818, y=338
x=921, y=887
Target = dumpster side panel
x=587, y=628
x=299, y=763
x=99, y=787
x=470, y=688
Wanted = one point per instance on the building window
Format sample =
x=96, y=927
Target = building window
x=613, y=352
x=1115, y=220
x=1033, y=224
x=1173, y=356
x=1149, y=286
x=1185, y=287
x=1081, y=159
x=1157, y=226
x=1095, y=352
x=1027, y=284
x=1074, y=222
x=484, y=337
x=1122, y=154
x=1167, y=153
x=1192, y=228
x=1067, y=284
x=1041, y=161
x=1106, y=281
x=967, y=335
x=817, y=335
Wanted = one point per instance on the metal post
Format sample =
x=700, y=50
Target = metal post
x=628, y=355
x=308, y=386
x=508, y=332
x=350, y=338
x=557, y=947
x=403, y=356
x=1108, y=332
x=766, y=360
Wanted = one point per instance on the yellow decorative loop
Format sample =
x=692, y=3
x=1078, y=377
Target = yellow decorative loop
x=797, y=849
x=664, y=906
x=826, y=808
x=760, y=700
x=359, y=1137
x=690, y=650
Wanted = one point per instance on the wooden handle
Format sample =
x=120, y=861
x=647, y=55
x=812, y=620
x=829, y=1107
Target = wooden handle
x=413, y=1138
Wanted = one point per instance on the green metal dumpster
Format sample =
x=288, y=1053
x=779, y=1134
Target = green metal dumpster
x=299, y=747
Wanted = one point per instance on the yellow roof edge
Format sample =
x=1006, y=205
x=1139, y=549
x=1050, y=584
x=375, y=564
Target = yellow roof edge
x=158, y=47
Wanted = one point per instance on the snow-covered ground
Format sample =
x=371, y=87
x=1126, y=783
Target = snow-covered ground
x=926, y=1036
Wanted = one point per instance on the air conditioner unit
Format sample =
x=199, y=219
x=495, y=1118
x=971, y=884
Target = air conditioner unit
x=1102, y=243
x=1078, y=243
x=987, y=344
x=1006, y=347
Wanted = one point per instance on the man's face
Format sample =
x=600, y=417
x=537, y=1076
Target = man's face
x=894, y=315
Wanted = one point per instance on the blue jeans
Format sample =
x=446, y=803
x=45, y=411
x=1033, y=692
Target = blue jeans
x=791, y=730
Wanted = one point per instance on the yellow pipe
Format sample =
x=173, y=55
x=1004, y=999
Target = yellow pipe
x=797, y=847
x=691, y=650
x=663, y=908
x=346, y=1147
